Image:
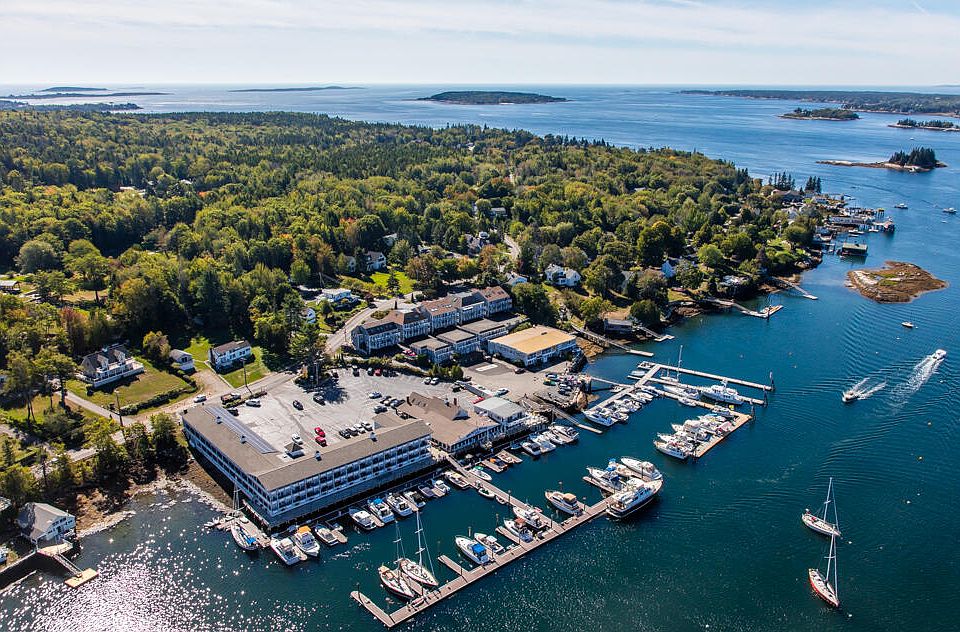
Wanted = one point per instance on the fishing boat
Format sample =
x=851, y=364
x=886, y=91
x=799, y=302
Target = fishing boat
x=722, y=393
x=381, y=510
x=821, y=582
x=672, y=448
x=456, y=480
x=519, y=529
x=286, y=551
x=820, y=522
x=645, y=469
x=305, y=541
x=400, y=505
x=629, y=501
x=362, y=519
x=473, y=550
x=243, y=539
x=531, y=448
x=907, y=324
x=417, y=571
x=326, y=536
x=567, y=503
x=441, y=487
x=490, y=542
x=480, y=473
x=393, y=581
x=531, y=517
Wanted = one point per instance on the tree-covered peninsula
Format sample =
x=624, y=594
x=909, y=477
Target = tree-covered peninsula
x=822, y=114
x=486, y=97
x=858, y=100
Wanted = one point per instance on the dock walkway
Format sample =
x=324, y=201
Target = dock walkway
x=603, y=341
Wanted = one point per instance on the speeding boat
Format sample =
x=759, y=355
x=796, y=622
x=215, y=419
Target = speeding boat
x=672, y=448
x=567, y=503
x=381, y=510
x=519, y=529
x=456, y=480
x=626, y=502
x=820, y=522
x=400, y=505
x=473, y=550
x=531, y=448
x=243, y=539
x=286, y=551
x=645, y=469
x=850, y=395
x=821, y=582
x=907, y=324
x=490, y=542
x=393, y=581
x=939, y=354
x=305, y=541
x=722, y=393
x=363, y=519
x=531, y=517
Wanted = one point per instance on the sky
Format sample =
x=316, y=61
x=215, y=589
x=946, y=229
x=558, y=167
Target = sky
x=772, y=42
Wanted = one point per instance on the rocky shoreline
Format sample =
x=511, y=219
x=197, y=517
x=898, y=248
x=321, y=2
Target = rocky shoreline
x=881, y=165
x=895, y=282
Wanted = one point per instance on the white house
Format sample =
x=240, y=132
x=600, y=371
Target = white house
x=374, y=260
x=181, y=360
x=561, y=277
x=41, y=523
x=336, y=295
x=226, y=355
x=108, y=365
x=516, y=279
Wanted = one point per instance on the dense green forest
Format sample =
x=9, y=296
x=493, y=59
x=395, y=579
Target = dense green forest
x=486, y=97
x=933, y=124
x=863, y=100
x=835, y=114
x=922, y=157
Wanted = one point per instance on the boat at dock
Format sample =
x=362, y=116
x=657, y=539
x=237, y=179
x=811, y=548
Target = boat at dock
x=531, y=448
x=627, y=502
x=400, y=505
x=417, y=571
x=480, y=473
x=490, y=542
x=362, y=519
x=441, y=487
x=644, y=469
x=566, y=503
x=825, y=584
x=567, y=431
x=608, y=480
x=722, y=393
x=381, y=510
x=599, y=416
x=393, y=581
x=519, y=529
x=672, y=448
x=326, y=536
x=556, y=438
x=820, y=521
x=456, y=480
x=530, y=517
x=305, y=541
x=543, y=443
x=243, y=539
x=688, y=401
x=288, y=553
x=509, y=457
x=473, y=550
x=484, y=491
x=426, y=491
x=637, y=375
x=416, y=501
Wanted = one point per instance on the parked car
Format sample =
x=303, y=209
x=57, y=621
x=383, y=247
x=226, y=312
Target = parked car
x=519, y=370
x=428, y=380
x=378, y=372
x=370, y=371
x=435, y=381
x=409, y=353
x=380, y=409
x=254, y=403
x=296, y=438
x=356, y=371
x=297, y=404
x=478, y=400
x=395, y=402
x=317, y=397
x=375, y=395
x=502, y=391
x=199, y=398
x=319, y=432
x=321, y=440
x=368, y=425
x=345, y=433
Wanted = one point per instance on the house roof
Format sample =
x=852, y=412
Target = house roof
x=536, y=338
x=456, y=335
x=449, y=422
x=494, y=293
x=499, y=406
x=481, y=326
x=227, y=347
x=106, y=356
x=429, y=343
x=441, y=305
x=36, y=518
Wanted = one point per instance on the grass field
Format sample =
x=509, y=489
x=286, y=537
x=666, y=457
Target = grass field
x=256, y=369
x=131, y=390
x=380, y=279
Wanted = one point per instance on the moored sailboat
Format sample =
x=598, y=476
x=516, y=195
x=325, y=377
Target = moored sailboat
x=820, y=521
x=825, y=584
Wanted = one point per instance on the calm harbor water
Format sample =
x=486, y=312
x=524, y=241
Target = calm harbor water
x=723, y=548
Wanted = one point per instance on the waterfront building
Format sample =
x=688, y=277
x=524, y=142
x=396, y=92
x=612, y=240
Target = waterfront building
x=453, y=428
x=536, y=345
x=109, y=365
x=618, y=326
x=497, y=300
x=436, y=351
x=182, y=360
x=484, y=330
x=463, y=342
x=281, y=481
x=227, y=355
x=42, y=523
x=501, y=410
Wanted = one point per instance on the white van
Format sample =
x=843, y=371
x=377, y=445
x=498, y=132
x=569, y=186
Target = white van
x=253, y=402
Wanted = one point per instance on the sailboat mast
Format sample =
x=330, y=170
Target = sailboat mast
x=833, y=549
x=679, y=362
x=422, y=546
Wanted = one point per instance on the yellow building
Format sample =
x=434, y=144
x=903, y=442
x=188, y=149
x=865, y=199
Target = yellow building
x=536, y=345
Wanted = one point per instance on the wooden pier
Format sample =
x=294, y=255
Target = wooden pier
x=603, y=341
x=702, y=448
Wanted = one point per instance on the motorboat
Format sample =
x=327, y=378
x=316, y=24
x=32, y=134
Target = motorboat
x=599, y=416
x=519, y=529
x=288, y=553
x=722, y=393
x=567, y=431
x=400, y=505
x=417, y=572
x=531, y=517
x=939, y=354
x=626, y=502
x=484, y=491
x=849, y=395
x=381, y=510
x=305, y=541
x=490, y=542
x=672, y=448
x=609, y=480
x=907, y=324
x=326, y=536
x=243, y=539
x=821, y=582
x=565, y=502
x=645, y=469
x=531, y=448
x=686, y=401
x=441, y=487
x=456, y=480
x=545, y=444
x=821, y=521
x=363, y=519
x=426, y=491
x=556, y=438
x=901, y=205
x=393, y=581
x=950, y=210
x=415, y=499
x=723, y=412
x=637, y=375
x=480, y=473
x=473, y=550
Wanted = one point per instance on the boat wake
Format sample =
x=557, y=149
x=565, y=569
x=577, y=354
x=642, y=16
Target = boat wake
x=921, y=372
x=863, y=389
x=873, y=389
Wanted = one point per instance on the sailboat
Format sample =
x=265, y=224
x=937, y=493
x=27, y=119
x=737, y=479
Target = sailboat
x=392, y=578
x=820, y=522
x=666, y=377
x=416, y=570
x=825, y=584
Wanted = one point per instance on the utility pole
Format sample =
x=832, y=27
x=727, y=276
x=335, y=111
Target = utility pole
x=119, y=413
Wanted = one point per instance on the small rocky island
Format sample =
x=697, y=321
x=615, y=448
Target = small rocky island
x=895, y=282
x=935, y=125
x=484, y=97
x=919, y=159
x=822, y=114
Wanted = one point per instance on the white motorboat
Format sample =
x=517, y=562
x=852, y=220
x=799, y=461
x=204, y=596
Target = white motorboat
x=519, y=529
x=441, y=487
x=481, y=473
x=821, y=582
x=672, y=448
x=939, y=354
x=608, y=480
x=288, y=553
x=723, y=412
x=901, y=205
x=400, y=505
x=490, y=542
x=556, y=438
x=456, y=480
x=484, y=491
x=473, y=550
x=416, y=503
x=722, y=393
x=531, y=517
x=950, y=210
x=362, y=519
x=820, y=522
x=686, y=401
x=305, y=541
x=599, y=416
x=381, y=510
x=326, y=536
x=243, y=539
x=567, y=431
x=426, y=491
x=645, y=469
x=531, y=448
x=545, y=444
x=393, y=581
x=566, y=503
x=630, y=500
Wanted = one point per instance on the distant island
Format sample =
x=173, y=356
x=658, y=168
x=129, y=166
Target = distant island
x=919, y=159
x=895, y=282
x=72, y=89
x=6, y=104
x=308, y=89
x=934, y=125
x=482, y=97
x=822, y=114
x=67, y=95
x=861, y=101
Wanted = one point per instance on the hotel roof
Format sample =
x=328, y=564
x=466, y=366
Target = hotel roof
x=537, y=338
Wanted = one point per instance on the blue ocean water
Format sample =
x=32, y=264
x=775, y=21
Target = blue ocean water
x=723, y=548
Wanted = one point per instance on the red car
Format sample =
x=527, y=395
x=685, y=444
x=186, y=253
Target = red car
x=377, y=372
x=321, y=440
x=319, y=432
x=478, y=400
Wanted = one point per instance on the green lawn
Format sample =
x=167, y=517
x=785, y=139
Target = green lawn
x=256, y=369
x=132, y=390
x=380, y=279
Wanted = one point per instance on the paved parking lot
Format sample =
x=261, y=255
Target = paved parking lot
x=498, y=374
x=347, y=403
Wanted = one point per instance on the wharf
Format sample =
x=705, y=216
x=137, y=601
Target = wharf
x=603, y=341
x=57, y=553
x=702, y=448
x=466, y=577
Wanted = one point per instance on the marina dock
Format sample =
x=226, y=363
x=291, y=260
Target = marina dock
x=605, y=342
